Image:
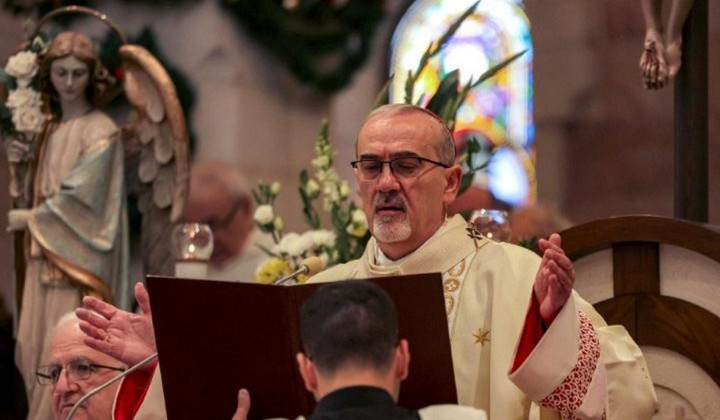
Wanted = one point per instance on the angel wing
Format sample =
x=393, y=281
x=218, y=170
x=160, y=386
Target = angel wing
x=157, y=154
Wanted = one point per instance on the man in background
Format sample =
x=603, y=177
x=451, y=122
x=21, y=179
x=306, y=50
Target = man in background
x=220, y=197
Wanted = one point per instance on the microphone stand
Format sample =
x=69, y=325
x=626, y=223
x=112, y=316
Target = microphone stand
x=302, y=270
x=108, y=383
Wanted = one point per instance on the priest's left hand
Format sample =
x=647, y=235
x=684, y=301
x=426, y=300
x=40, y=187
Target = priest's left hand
x=554, y=280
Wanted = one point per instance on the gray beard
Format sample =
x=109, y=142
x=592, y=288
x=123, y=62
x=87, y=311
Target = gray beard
x=389, y=229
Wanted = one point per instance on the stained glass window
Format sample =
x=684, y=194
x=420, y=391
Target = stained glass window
x=499, y=111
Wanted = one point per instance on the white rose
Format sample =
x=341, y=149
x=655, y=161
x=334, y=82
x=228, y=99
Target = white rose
x=22, y=66
x=264, y=215
x=23, y=98
x=28, y=119
x=322, y=237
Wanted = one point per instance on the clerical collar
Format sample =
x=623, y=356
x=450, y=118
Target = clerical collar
x=383, y=261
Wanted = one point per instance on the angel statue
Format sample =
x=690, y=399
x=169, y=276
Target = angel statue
x=82, y=166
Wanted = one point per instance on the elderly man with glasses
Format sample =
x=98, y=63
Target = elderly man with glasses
x=524, y=344
x=220, y=197
x=72, y=370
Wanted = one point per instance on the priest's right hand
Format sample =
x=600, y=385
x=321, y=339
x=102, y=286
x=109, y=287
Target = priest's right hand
x=128, y=337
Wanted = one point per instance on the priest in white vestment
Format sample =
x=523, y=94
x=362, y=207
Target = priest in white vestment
x=524, y=345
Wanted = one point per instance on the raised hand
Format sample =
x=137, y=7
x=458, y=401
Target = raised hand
x=554, y=280
x=123, y=335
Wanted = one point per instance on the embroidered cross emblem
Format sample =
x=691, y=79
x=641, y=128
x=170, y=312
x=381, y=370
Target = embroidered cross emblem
x=482, y=336
x=473, y=233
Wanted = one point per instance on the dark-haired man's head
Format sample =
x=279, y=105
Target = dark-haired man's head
x=350, y=337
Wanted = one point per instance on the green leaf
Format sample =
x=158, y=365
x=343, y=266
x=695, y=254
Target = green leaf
x=446, y=93
x=266, y=250
x=497, y=67
x=383, y=96
x=465, y=182
x=256, y=197
x=304, y=177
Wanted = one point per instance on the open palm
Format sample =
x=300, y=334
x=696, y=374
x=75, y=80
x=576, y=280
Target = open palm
x=125, y=336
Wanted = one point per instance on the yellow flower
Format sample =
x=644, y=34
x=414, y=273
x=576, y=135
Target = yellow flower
x=273, y=269
x=302, y=278
x=357, y=231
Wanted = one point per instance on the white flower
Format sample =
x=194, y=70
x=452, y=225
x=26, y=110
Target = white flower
x=321, y=162
x=23, y=98
x=344, y=189
x=28, y=120
x=294, y=245
x=278, y=224
x=312, y=188
x=264, y=215
x=325, y=258
x=275, y=189
x=359, y=218
x=322, y=237
x=22, y=66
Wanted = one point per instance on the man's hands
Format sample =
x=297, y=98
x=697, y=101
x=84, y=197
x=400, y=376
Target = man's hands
x=123, y=335
x=243, y=405
x=554, y=280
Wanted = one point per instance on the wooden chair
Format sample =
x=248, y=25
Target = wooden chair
x=660, y=278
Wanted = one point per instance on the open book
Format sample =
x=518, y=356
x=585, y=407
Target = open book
x=214, y=338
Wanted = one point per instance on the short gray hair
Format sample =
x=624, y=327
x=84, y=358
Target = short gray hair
x=445, y=146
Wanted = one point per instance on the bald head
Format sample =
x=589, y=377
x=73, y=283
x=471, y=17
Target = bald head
x=444, y=145
x=79, y=369
x=220, y=197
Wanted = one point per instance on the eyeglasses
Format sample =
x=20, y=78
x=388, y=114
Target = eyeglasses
x=78, y=370
x=403, y=167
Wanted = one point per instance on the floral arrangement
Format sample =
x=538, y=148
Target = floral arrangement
x=350, y=231
x=21, y=115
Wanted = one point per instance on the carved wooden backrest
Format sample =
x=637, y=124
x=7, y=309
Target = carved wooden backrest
x=660, y=278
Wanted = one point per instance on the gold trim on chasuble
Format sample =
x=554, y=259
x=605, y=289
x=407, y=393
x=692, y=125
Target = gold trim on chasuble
x=452, y=285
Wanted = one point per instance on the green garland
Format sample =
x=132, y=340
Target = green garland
x=323, y=42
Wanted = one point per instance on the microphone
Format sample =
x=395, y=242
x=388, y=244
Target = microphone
x=108, y=383
x=310, y=266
